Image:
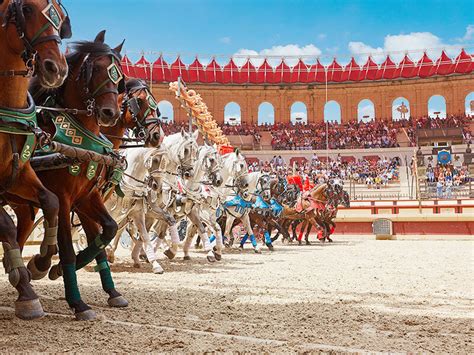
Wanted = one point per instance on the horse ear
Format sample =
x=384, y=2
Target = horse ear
x=100, y=38
x=195, y=134
x=118, y=49
x=183, y=133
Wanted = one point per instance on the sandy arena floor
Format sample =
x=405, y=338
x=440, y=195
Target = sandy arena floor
x=353, y=295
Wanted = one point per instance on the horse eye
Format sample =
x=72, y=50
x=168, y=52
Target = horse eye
x=27, y=10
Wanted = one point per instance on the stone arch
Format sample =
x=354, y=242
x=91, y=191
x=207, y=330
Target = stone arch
x=166, y=110
x=365, y=111
x=469, y=104
x=332, y=112
x=266, y=114
x=437, y=107
x=232, y=114
x=400, y=109
x=298, y=113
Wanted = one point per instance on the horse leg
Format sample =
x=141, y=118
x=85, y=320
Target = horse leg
x=29, y=187
x=302, y=229
x=164, y=216
x=27, y=306
x=191, y=229
x=93, y=207
x=229, y=222
x=115, y=298
x=194, y=218
x=67, y=258
x=294, y=225
x=248, y=228
x=138, y=216
x=219, y=239
x=308, y=231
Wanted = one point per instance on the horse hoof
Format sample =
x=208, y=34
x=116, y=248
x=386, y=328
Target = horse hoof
x=329, y=240
x=86, y=315
x=211, y=259
x=258, y=251
x=218, y=256
x=169, y=254
x=187, y=258
x=158, y=272
x=117, y=302
x=28, y=310
x=137, y=265
x=55, y=272
x=308, y=243
x=35, y=273
x=110, y=255
x=270, y=247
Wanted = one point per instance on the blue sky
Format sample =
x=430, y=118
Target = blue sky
x=277, y=27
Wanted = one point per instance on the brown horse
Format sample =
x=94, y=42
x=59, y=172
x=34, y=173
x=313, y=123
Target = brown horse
x=92, y=89
x=29, y=36
x=139, y=113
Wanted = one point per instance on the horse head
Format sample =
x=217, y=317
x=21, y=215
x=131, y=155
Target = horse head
x=182, y=151
x=35, y=29
x=211, y=161
x=139, y=112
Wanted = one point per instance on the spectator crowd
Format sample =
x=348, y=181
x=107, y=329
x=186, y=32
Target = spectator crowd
x=375, y=173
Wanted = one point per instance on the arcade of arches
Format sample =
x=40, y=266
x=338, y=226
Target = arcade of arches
x=384, y=96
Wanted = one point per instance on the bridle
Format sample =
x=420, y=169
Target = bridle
x=130, y=103
x=15, y=15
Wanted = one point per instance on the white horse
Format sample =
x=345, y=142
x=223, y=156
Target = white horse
x=193, y=188
x=175, y=156
x=238, y=205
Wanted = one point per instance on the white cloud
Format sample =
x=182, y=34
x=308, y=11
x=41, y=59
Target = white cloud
x=414, y=43
x=469, y=35
x=275, y=54
x=225, y=40
x=322, y=36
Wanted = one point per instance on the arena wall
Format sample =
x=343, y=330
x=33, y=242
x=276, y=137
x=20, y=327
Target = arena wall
x=453, y=88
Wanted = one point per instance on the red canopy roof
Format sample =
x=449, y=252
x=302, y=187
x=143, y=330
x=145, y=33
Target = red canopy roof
x=388, y=69
x=425, y=66
x=351, y=72
x=300, y=73
x=142, y=68
x=161, y=71
x=196, y=71
x=444, y=65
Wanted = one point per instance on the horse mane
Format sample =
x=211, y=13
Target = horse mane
x=79, y=50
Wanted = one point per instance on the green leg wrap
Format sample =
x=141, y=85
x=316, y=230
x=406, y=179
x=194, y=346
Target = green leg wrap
x=70, y=284
x=105, y=275
x=88, y=254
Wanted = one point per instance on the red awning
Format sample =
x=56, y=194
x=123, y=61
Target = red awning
x=299, y=73
x=161, y=71
x=282, y=73
x=265, y=73
x=334, y=71
x=464, y=63
x=178, y=69
x=230, y=73
x=127, y=67
x=351, y=72
x=196, y=72
x=142, y=69
x=348, y=159
x=317, y=73
x=425, y=66
x=213, y=72
x=248, y=74
x=370, y=70
x=444, y=65
x=388, y=69
x=406, y=68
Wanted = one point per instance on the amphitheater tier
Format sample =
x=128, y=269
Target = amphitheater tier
x=417, y=92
